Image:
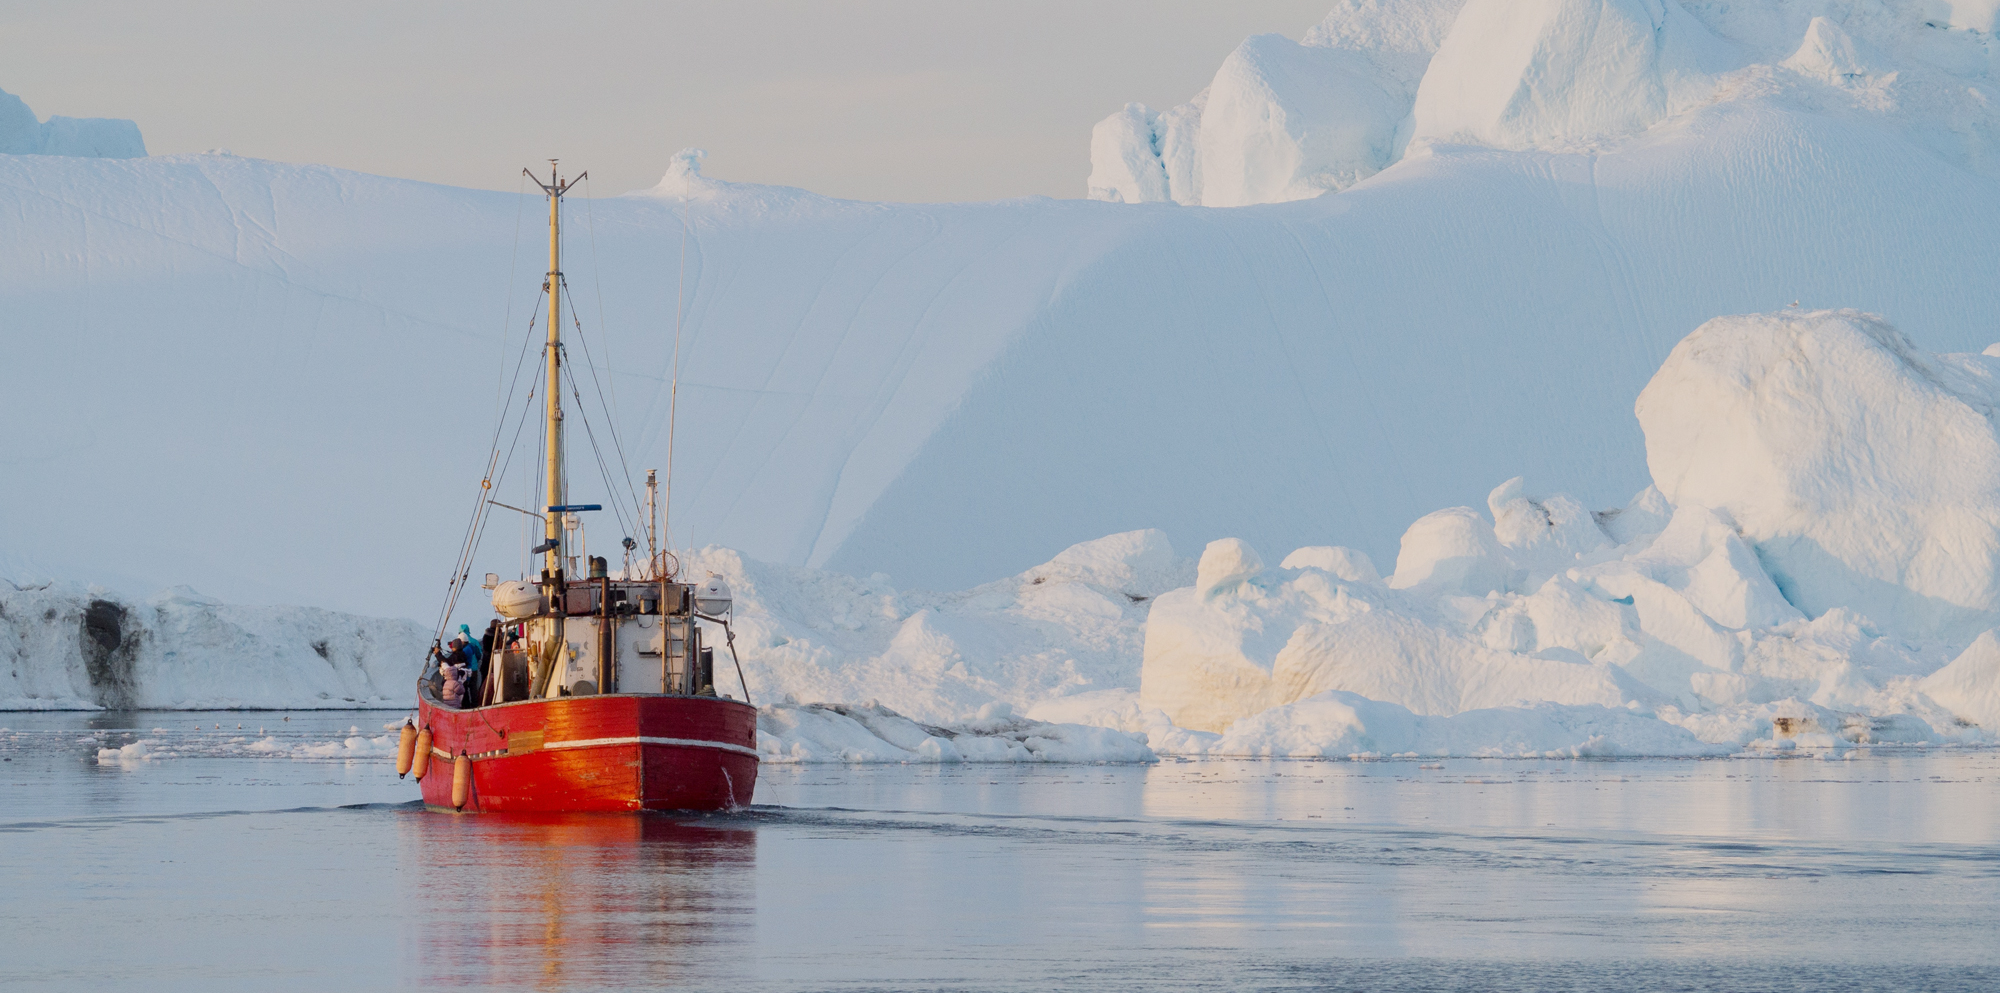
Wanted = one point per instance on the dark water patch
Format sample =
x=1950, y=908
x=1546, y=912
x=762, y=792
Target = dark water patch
x=404, y=806
x=1618, y=976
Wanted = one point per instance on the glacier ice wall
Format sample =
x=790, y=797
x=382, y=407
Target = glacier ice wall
x=87, y=137
x=274, y=382
x=69, y=647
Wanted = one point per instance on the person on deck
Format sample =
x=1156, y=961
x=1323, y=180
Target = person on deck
x=473, y=651
x=455, y=675
x=474, y=657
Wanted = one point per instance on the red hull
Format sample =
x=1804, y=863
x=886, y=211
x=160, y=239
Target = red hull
x=594, y=753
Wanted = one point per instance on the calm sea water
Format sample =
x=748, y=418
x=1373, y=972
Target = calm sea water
x=217, y=867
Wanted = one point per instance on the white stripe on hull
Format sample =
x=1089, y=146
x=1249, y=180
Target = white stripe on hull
x=684, y=742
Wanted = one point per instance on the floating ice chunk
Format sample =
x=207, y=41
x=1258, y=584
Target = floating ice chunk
x=1349, y=564
x=132, y=754
x=1451, y=551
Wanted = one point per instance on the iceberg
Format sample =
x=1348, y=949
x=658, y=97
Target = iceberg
x=64, y=646
x=1865, y=472
x=1373, y=84
x=90, y=137
x=1817, y=550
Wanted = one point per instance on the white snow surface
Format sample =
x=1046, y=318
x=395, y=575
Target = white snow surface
x=86, y=137
x=1865, y=471
x=239, y=366
x=70, y=647
x=1819, y=548
x=871, y=733
x=1531, y=627
x=1075, y=624
x=1374, y=79
x=272, y=381
x=941, y=393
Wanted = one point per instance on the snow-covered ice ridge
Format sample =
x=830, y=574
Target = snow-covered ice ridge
x=865, y=384
x=1817, y=564
x=64, y=646
x=82, y=137
x=1378, y=80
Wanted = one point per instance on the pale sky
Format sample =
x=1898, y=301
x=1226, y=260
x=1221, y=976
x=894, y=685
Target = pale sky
x=878, y=100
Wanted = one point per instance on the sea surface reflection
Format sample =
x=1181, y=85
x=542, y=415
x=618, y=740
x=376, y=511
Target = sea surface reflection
x=577, y=900
x=220, y=857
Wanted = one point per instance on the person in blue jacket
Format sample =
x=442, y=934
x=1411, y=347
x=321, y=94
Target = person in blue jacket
x=474, y=655
x=469, y=655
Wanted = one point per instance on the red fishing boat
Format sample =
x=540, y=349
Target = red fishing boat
x=596, y=692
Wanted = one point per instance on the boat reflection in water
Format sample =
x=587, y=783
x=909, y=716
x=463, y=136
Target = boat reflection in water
x=576, y=900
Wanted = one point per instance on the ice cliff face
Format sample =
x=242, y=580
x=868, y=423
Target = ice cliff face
x=1285, y=121
x=1815, y=567
x=68, y=647
x=87, y=137
x=946, y=392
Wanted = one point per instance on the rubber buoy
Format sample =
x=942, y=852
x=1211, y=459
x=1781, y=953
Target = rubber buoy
x=421, y=762
x=461, y=781
x=406, y=749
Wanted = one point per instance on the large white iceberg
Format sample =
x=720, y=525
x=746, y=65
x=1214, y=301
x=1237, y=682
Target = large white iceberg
x=1557, y=73
x=1819, y=547
x=1073, y=625
x=82, y=137
x=69, y=647
x=1283, y=121
x=1865, y=472
x=1531, y=626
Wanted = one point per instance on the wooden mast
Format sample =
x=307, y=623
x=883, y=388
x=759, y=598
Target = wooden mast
x=552, y=529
